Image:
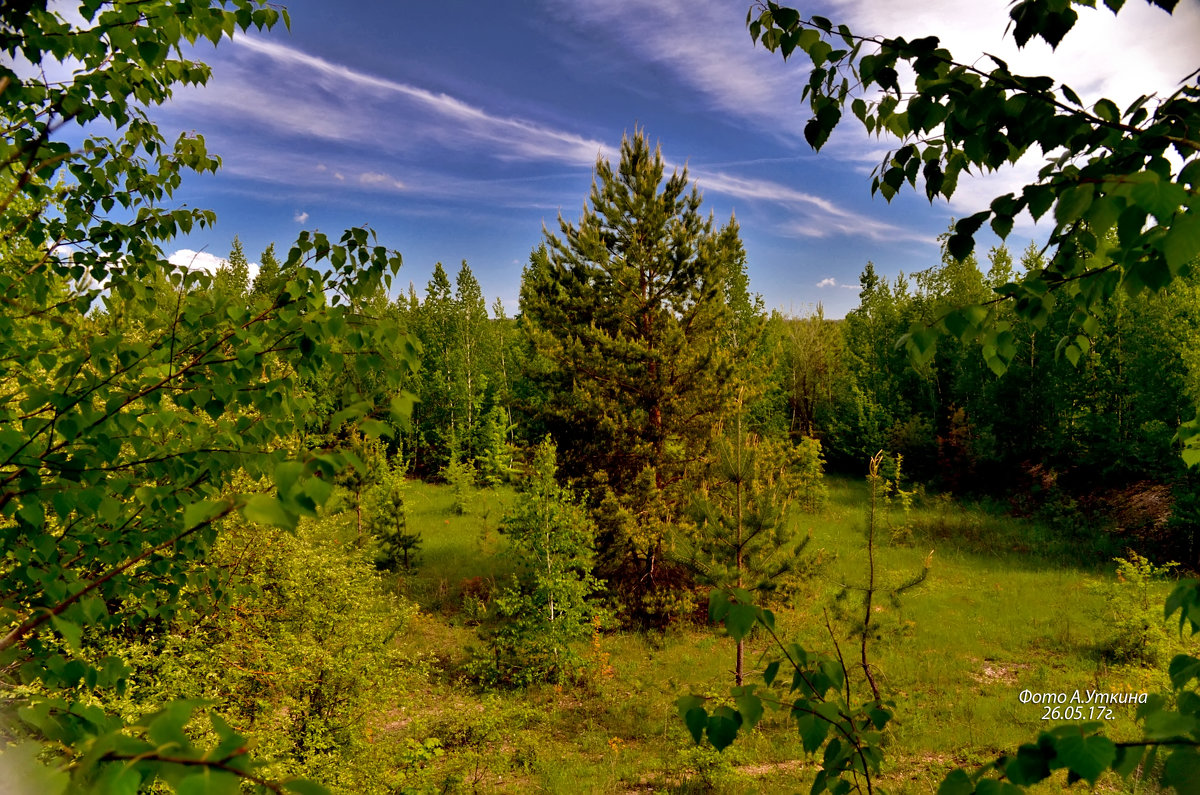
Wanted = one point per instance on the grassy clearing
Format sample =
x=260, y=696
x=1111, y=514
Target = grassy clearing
x=1008, y=606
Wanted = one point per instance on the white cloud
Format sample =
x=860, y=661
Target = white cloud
x=203, y=261
x=196, y=260
x=374, y=179
x=827, y=282
x=1141, y=50
x=300, y=217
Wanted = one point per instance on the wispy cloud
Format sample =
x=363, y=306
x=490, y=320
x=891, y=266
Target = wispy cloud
x=374, y=179
x=303, y=95
x=706, y=46
x=811, y=215
x=829, y=281
x=300, y=217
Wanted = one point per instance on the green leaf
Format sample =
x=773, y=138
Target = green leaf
x=1073, y=203
x=1158, y=197
x=1183, y=669
x=373, y=429
x=685, y=704
x=723, y=727
x=989, y=786
x=697, y=721
x=197, y=513
x=879, y=717
x=209, y=781
x=1128, y=760
x=1185, y=597
x=740, y=619
x=118, y=780
x=1030, y=765
x=749, y=707
x=265, y=509
x=965, y=322
x=1169, y=725
x=957, y=782
x=1087, y=756
x=1107, y=110
x=165, y=729
x=718, y=604
x=21, y=766
x=1182, y=771
x=772, y=670
x=1181, y=244
x=813, y=730
x=71, y=632
x=817, y=130
x=402, y=408
x=1039, y=198
x=921, y=343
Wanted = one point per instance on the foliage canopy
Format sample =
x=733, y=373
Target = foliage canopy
x=1123, y=185
x=131, y=392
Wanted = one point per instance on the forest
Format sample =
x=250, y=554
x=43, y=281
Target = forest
x=347, y=526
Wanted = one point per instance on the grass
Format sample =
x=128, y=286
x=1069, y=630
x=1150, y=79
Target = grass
x=1008, y=606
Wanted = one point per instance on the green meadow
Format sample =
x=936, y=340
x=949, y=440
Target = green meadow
x=1008, y=606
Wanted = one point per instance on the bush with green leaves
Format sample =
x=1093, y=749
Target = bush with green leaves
x=298, y=652
x=1138, y=634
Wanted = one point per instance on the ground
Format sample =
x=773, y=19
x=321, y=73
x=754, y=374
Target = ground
x=1009, y=606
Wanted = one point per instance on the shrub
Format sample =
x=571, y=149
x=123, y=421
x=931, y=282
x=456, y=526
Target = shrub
x=1139, y=634
x=300, y=655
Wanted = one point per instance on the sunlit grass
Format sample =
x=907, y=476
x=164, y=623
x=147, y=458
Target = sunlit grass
x=1000, y=612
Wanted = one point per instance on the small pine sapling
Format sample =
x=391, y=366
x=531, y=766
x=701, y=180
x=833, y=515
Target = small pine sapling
x=745, y=536
x=551, y=603
x=820, y=694
x=387, y=521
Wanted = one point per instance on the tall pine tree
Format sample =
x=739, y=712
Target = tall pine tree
x=439, y=411
x=626, y=313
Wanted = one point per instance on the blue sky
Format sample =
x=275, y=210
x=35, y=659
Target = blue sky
x=458, y=129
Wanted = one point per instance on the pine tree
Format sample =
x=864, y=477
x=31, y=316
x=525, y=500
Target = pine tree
x=626, y=314
x=505, y=361
x=551, y=603
x=745, y=536
x=745, y=330
x=438, y=413
x=233, y=278
x=473, y=342
x=387, y=520
x=271, y=277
